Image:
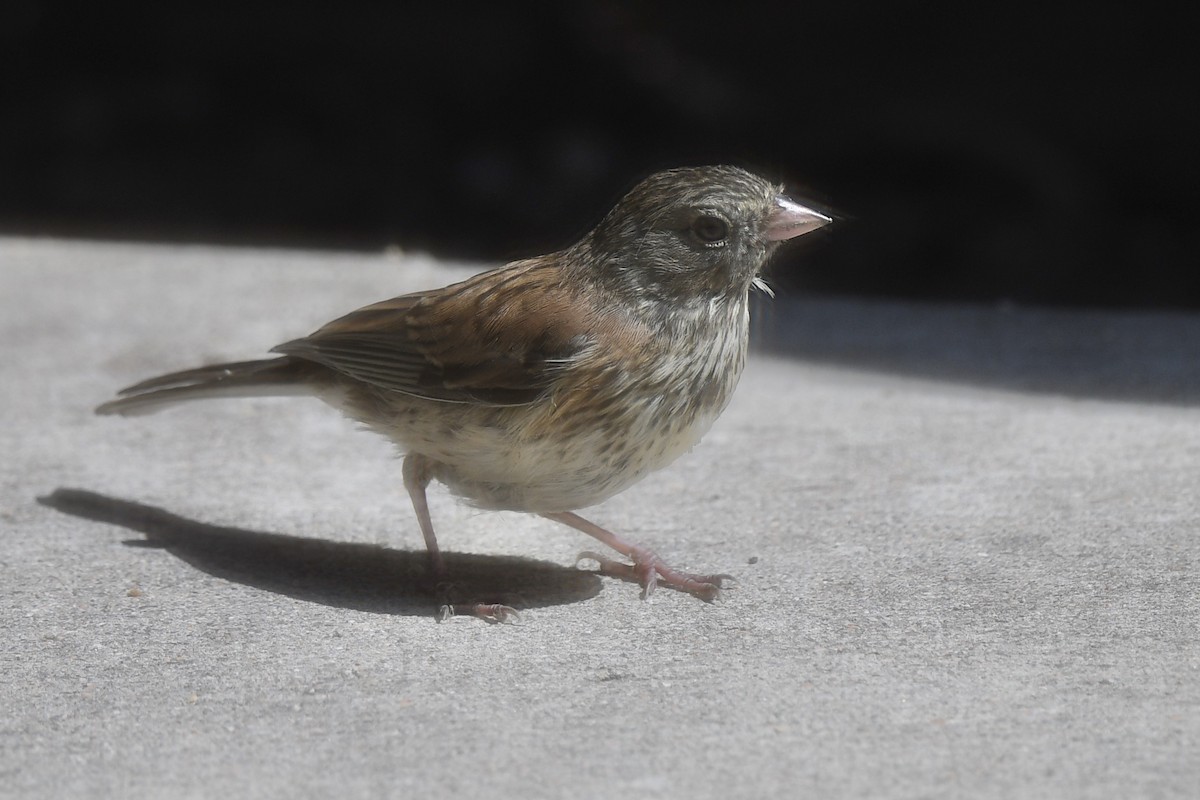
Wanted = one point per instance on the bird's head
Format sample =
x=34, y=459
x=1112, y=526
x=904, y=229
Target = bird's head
x=694, y=232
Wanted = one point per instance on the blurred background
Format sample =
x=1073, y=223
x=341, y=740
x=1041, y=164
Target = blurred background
x=1040, y=154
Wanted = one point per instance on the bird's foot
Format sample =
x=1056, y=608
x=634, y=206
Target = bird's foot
x=448, y=607
x=494, y=613
x=649, y=572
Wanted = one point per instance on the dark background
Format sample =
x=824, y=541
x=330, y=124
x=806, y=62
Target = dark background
x=1033, y=154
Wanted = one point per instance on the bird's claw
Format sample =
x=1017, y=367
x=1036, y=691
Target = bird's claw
x=494, y=613
x=649, y=571
x=445, y=591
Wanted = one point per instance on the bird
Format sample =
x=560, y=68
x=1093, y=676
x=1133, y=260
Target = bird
x=552, y=383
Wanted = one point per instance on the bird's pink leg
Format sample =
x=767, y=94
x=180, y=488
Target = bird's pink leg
x=647, y=568
x=417, y=475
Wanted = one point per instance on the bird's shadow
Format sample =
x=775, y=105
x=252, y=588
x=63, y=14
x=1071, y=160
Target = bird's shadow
x=362, y=577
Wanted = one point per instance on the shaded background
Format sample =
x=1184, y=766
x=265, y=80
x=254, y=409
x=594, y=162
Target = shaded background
x=1035, y=154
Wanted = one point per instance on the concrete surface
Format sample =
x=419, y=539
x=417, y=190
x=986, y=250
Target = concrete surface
x=966, y=540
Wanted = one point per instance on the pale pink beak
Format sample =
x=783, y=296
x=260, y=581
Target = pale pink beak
x=790, y=219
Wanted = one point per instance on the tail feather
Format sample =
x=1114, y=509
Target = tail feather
x=268, y=377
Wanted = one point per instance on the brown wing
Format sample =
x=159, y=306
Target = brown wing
x=498, y=338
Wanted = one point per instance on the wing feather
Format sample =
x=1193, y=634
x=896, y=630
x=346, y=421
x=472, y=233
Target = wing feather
x=498, y=338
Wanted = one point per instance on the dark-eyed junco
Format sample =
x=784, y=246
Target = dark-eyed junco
x=552, y=383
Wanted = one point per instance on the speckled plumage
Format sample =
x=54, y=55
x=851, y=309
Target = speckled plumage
x=617, y=411
x=553, y=383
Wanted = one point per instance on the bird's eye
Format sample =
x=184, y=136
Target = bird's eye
x=710, y=229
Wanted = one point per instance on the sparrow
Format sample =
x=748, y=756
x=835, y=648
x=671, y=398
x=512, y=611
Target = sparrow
x=552, y=383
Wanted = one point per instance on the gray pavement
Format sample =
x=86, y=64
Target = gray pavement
x=966, y=539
